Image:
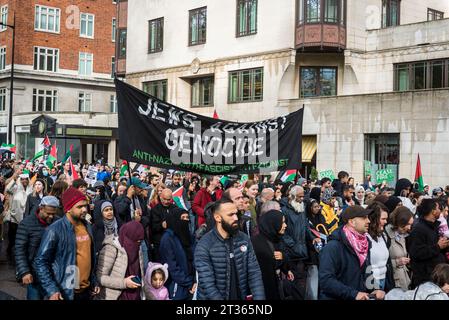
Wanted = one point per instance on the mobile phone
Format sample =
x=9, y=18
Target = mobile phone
x=136, y=279
x=372, y=296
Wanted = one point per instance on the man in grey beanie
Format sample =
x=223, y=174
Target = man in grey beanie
x=29, y=235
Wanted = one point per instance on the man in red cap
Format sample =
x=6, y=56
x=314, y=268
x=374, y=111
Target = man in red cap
x=65, y=262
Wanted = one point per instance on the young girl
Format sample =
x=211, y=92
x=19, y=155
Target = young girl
x=155, y=278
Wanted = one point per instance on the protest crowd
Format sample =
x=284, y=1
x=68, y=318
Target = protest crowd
x=94, y=231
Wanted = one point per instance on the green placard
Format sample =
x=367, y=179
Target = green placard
x=384, y=174
x=367, y=168
x=327, y=174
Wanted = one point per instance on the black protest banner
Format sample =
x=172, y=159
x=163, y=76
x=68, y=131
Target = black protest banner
x=159, y=134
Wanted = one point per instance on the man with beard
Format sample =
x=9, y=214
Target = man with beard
x=65, y=262
x=236, y=196
x=348, y=197
x=298, y=236
x=225, y=260
x=159, y=215
x=344, y=261
x=176, y=182
x=176, y=252
x=29, y=235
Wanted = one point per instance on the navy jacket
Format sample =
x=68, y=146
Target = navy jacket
x=28, y=239
x=55, y=263
x=213, y=265
x=180, y=280
x=340, y=274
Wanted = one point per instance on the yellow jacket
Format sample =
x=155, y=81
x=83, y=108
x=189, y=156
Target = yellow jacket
x=330, y=216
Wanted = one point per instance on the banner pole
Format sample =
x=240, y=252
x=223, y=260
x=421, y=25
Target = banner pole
x=131, y=183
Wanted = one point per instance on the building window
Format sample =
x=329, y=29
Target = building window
x=156, y=88
x=246, y=85
x=317, y=11
x=156, y=35
x=246, y=17
x=197, y=26
x=113, y=104
x=113, y=67
x=318, y=81
x=203, y=92
x=2, y=58
x=391, y=11
x=45, y=100
x=87, y=22
x=84, y=102
x=434, y=14
x=85, y=64
x=2, y=99
x=114, y=29
x=313, y=11
x=382, y=152
x=3, y=17
x=122, y=43
x=47, y=19
x=46, y=59
x=421, y=75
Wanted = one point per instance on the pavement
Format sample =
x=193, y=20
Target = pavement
x=10, y=289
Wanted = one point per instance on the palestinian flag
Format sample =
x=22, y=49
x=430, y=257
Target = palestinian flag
x=178, y=198
x=288, y=176
x=68, y=158
x=8, y=147
x=418, y=176
x=52, y=157
x=243, y=178
x=38, y=155
x=124, y=168
x=46, y=142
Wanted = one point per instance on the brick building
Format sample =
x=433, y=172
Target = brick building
x=63, y=86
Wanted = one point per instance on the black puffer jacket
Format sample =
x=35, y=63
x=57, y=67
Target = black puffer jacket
x=424, y=251
x=28, y=239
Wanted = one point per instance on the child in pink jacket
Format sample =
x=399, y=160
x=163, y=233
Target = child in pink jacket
x=155, y=278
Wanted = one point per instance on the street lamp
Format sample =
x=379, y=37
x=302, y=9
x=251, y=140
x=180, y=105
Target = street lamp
x=11, y=90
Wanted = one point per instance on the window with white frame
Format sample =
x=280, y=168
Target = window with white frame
x=114, y=28
x=85, y=102
x=3, y=17
x=46, y=59
x=112, y=67
x=87, y=25
x=2, y=99
x=47, y=19
x=45, y=100
x=113, y=104
x=85, y=64
x=2, y=58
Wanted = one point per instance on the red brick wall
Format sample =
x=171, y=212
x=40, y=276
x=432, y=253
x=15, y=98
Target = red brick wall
x=67, y=41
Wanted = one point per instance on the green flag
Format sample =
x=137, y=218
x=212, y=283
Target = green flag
x=38, y=155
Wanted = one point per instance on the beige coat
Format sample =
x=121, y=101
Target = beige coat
x=398, y=250
x=111, y=269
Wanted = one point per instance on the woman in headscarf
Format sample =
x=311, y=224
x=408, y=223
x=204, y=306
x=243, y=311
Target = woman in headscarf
x=270, y=253
x=360, y=196
x=131, y=235
x=120, y=264
x=176, y=251
x=105, y=224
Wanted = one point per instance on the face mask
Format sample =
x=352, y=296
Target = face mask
x=45, y=172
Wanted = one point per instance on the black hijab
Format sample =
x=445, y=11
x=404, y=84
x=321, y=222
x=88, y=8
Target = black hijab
x=270, y=224
x=392, y=203
x=181, y=230
x=315, y=193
